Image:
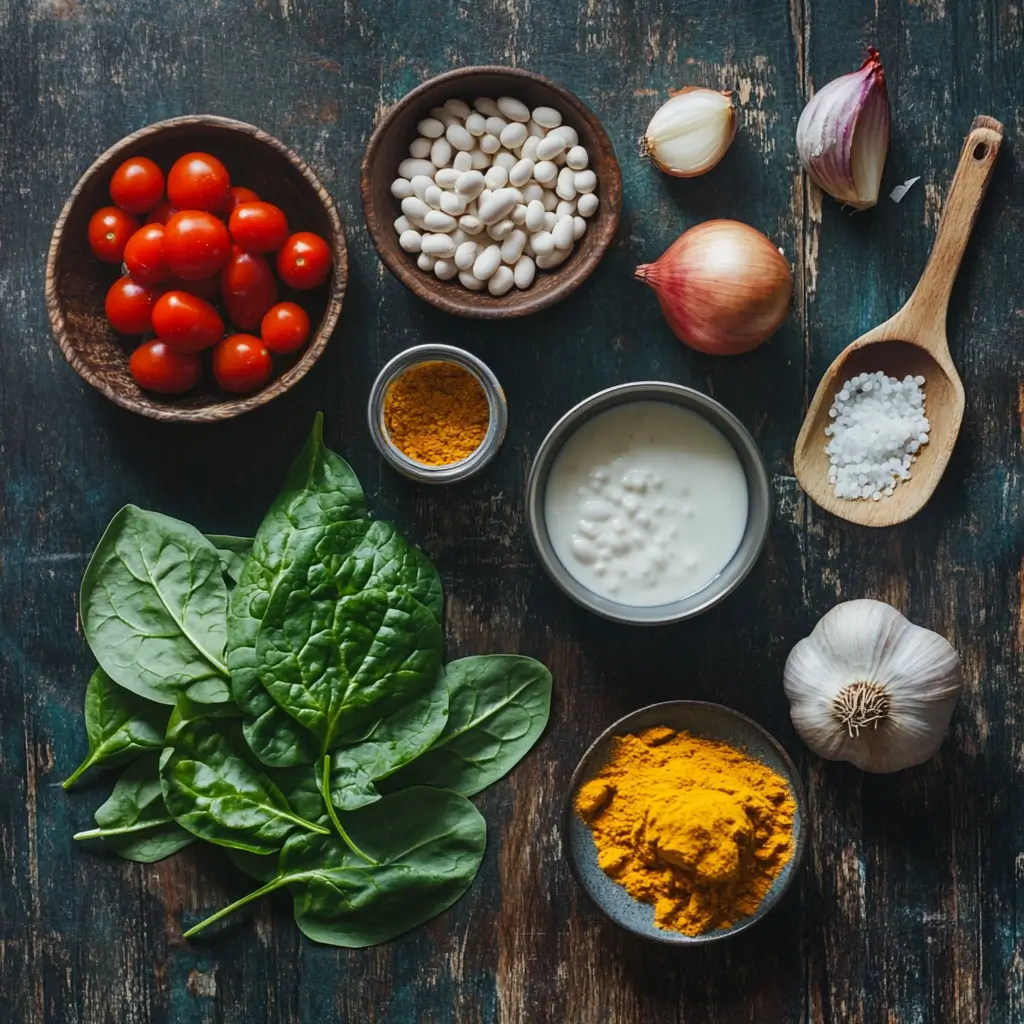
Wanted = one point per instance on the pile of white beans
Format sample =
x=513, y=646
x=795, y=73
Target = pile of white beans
x=490, y=193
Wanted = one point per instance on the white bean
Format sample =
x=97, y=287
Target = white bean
x=528, y=248
x=500, y=231
x=458, y=236
x=550, y=220
x=432, y=196
x=563, y=233
x=420, y=183
x=518, y=216
x=543, y=243
x=501, y=281
x=457, y=135
x=495, y=125
x=503, y=158
x=441, y=153
x=484, y=193
x=577, y=158
x=470, y=184
x=415, y=209
x=474, y=284
x=487, y=262
x=476, y=124
x=535, y=130
x=425, y=262
x=403, y=224
x=579, y=228
x=529, y=150
x=498, y=205
x=410, y=167
x=486, y=106
x=445, y=270
x=547, y=117
x=446, y=177
x=453, y=204
x=584, y=181
x=545, y=171
x=438, y=221
x=552, y=259
x=431, y=128
x=524, y=272
x=401, y=188
x=550, y=146
x=420, y=149
x=532, y=192
x=513, y=109
x=470, y=224
x=465, y=255
x=587, y=205
x=446, y=117
x=567, y=133
x=514, y=135
x=490, y=143
x=479, y=160
x=535, y=215
x=441, y=246
x=566, y=187
x=567, y=207
x=496, y=177
x=512, y=247
x=462, y=161
x=521, y=173
x=550, y=200
x=411, y=241
x=457, y=107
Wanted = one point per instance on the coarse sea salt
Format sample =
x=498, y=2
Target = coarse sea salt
x=878, y=426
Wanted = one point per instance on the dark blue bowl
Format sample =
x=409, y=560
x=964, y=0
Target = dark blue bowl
x=705, y=721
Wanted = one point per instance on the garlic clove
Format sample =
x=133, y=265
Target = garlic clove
x=842, y=136
x=691, y=132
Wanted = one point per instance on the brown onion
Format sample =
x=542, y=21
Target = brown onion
x=723, y=287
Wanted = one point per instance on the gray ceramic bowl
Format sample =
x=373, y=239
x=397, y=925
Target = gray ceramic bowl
x=707, y=721
x=759, y=496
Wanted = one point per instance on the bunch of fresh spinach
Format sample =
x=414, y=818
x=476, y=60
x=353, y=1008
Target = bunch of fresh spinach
x=283, y=697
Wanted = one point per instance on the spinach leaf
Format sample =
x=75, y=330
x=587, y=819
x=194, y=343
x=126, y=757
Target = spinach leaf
x=216, y=793
x=336, y=650
x=120, y=725
x=387, y=745
x=153, y=608
x=233, y=552
x=426, y=847
x=498, y=705
x=134, y=822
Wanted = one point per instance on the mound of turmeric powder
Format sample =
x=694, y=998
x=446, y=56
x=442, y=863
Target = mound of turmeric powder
x=692, y=826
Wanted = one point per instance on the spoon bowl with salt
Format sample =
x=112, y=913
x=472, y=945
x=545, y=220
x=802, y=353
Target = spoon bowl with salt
x=912, y=343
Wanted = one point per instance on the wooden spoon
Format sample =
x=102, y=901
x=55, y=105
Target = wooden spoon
x=913, y=341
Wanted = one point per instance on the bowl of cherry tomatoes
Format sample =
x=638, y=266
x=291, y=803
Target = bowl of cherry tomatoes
x=196, y=271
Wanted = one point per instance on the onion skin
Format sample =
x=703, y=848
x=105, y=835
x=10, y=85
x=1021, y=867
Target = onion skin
x=723, y=287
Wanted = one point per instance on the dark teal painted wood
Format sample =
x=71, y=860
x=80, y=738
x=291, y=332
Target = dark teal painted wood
x=909, y=908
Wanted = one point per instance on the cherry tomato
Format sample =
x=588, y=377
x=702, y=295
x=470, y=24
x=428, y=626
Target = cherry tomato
x=204, y=287
x=109, y=231
x=161, y=213
x=144, y=255
x=186, y=322
x=196, y=244
x=241, y=362
x=137, y=185
x=285, y=328
x=157, y=367
x=129, y=306
x=198, y=181
x=249, y=288
x=304, y=261
x=258, y=227
x=239, y=194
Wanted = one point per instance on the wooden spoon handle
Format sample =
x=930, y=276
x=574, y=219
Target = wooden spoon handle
x=927, y=306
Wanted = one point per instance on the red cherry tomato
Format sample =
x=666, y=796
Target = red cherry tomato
x=137, y=185
x=198, y=181
x=241, y=363
x=239, y=194
x=204, y=287
x=129, y=306
x=304, y=261
x=249, y=289
x=144, y=255
x=109, y=231
x=285, y=328
x=196, y=244
x=186, y=322
x=161, y=213
x=157, y=367
x=258, y=227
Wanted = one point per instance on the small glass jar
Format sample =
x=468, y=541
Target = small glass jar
x=450, y=472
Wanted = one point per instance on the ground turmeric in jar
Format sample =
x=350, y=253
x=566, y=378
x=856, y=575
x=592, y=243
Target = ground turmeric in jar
x=436, y=413
x=692, y=826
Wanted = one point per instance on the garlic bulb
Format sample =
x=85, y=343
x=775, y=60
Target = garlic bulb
x=871, y=688
x=690, y=133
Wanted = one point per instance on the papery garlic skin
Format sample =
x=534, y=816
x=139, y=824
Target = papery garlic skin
x=691, y=132
x=842, y=136
x=896, y=684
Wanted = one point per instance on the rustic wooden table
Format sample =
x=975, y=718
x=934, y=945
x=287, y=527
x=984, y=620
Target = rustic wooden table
x=911, y=902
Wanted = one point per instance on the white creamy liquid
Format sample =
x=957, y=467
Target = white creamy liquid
x=646, y=503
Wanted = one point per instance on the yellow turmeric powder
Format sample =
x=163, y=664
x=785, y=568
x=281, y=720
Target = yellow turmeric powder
x=436, y=413
x=692, y=826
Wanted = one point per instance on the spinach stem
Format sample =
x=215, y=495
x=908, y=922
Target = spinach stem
x=124, y=830
x=273, y=884
x=77, y=773
x=332, y=814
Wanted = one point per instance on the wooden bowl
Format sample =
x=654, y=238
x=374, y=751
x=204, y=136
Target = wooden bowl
x=389, y=145
x=77, y=282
